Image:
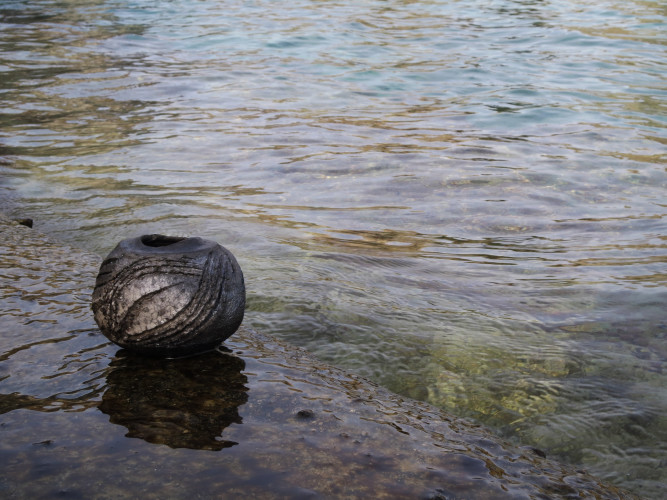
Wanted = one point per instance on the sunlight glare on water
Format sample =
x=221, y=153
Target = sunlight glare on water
x=463, y=201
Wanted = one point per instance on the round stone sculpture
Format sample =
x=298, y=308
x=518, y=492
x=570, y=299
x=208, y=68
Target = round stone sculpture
x=169, y=296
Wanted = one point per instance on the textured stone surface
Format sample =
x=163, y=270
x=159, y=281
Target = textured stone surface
x=169, y=296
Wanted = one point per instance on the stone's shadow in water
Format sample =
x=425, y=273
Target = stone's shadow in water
x=182, y=403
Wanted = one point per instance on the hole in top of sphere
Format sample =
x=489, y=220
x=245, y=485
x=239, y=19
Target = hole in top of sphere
x=159, y=240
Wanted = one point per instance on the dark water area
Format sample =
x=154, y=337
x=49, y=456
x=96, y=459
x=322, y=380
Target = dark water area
x=462, y=201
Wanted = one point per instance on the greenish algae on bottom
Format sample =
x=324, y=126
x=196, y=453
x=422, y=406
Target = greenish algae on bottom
x=256, y=418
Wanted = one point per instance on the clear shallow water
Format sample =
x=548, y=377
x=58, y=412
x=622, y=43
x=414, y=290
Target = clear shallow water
x=462, y=201
x=255, y=418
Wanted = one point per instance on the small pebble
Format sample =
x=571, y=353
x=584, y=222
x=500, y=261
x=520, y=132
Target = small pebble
x=305, y=414
x=25, y=222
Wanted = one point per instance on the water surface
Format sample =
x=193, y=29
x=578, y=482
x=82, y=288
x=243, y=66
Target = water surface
x=463, y=201
x=255, y=418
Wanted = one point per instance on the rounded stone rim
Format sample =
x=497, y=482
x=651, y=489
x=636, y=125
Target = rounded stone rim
x=152, y=244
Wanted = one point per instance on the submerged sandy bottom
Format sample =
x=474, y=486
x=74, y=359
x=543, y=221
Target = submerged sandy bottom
x=256, y=418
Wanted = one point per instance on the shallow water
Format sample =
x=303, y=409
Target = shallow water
x=461, y=201
x=255, y=418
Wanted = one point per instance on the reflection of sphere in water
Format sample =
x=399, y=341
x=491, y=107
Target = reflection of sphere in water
x=169, y=296
x=183, y=403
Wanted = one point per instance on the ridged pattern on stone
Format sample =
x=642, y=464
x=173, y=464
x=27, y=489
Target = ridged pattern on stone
x=169, y=304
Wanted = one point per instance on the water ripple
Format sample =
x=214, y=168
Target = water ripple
x=463, y=201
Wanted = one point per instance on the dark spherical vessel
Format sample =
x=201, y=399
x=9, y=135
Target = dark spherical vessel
x=169, y=296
